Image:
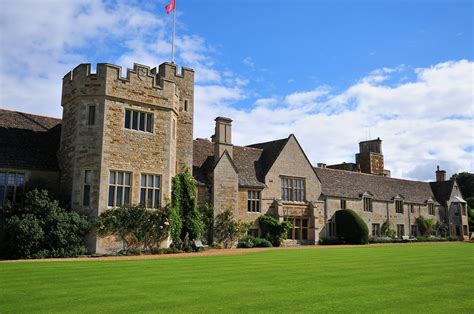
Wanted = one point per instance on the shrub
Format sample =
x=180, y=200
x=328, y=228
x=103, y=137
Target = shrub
x=329, y=241
x=186, y=222
x=425, y=225
x=135, y=226
x=160, y=250
x=227, y=230
x=351, y=228
x=381, y=240
x=273, y=230
x=207, y=212
x=387, y=231
x=251, y=241
x=43, y=229
x=441, y=229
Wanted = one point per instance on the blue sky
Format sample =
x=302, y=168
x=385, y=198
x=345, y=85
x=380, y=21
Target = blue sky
x=327, y=71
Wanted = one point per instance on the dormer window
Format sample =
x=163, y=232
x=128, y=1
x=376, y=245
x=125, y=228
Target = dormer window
x=431, y=209
x=367, y=204
x=399, y=206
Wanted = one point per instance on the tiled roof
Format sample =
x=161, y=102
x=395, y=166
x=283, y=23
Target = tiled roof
x=252, y=162
x=350, y=184
x=29, y=141
x=442, y=190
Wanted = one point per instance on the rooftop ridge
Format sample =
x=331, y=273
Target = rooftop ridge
x=238, y=146
x=371, y=175
x=31, y=114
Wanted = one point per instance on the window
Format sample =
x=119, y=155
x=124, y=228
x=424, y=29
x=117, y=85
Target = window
x=293, y=189
x=174, y=129
x=299, y=230
x=119, y=188
x=456, y=210
x=400, y=230
x=367, y=204
x=91, y=117
x=150, y=191
x=430, y=209
x=399, y=207
x=253, y=201
x=343, y=204
x=463, y=209
x=186, y=105
x=458, y=231
x=412, y=208
x=414, y=230
x=86, y=196
x=376, y=230
x=332, y=227
x=464, y=229
x=12, y=187
x=140, y=121
x=253, y=232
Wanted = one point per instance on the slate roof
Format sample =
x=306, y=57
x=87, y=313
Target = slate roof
x=442, y=190
x=29, y=141
x=350, y=184
x=252, y=162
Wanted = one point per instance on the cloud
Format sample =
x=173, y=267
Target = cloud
x=423, y=122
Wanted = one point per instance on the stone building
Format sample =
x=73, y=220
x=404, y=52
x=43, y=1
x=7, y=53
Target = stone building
x=122, y=139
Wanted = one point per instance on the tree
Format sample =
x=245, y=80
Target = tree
x=207, y=212
x=135, y=226
x=350, y=227
x=186, y=222
x=465, y=181
x=227, y=230
x=386, y=229
x=41, y=228
x=273, y=230
x=425, y=225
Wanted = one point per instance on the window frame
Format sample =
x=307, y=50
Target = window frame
x=367, y=204
x=254, y=201
x=86, y=188
x=298, y=229
x=139, y=120
x=186, y=105
x=376, y=230
x=400, y=227
x=4, y=187
x=155, y=190
x=125, y=189
x=293, y=189
x=343, y=204
x=431, y=210
x=91, y=115
x=399, y=206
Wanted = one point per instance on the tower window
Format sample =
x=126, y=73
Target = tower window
x=91, y=116
x=150, y=191
x=140, y=121
x=119, y=188
x=86, y=197
x=186, y=105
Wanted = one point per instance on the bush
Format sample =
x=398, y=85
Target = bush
x=135, y=226
x=160, y=250
x=425, y=225
x=382, y=240
x=207, y=212
x=273, y=230
x=43, y=229
x=387, y=231
x=351, y=228
x=227, y=230
x=251, y=241
x=329, y=241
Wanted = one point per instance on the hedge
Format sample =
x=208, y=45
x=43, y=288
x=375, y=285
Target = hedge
x=351, y=228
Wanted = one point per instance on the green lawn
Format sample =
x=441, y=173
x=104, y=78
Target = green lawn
x=404, y=278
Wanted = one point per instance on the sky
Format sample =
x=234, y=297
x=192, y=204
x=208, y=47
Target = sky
x=333, y=73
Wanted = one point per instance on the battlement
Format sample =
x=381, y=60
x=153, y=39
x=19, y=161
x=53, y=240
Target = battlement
x=141, y=83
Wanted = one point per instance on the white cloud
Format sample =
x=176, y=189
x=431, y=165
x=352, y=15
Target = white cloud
x=423, y=122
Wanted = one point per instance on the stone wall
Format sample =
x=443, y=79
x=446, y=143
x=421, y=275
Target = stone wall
x=225, y=186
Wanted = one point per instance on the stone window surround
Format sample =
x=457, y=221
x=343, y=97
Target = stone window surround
x=84, y=184
x=431, y=209
x=398, y=206
x=91, y=115
x=186, y=105
x=153, y=188
x=343, y=203
x=367, y=204
x=292, y=189
x=254, y=204
x=376, y=230
x=139, y=110
x=5, y=185
x=116, y=185
x=299, y=229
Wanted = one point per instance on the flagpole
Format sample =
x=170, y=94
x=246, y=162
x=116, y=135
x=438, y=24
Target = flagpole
x=174, y=32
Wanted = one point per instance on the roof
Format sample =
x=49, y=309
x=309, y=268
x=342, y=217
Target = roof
x=29, y=141
x=442, y=190
x=350, y=184
x=457, y=199
x=252, y=162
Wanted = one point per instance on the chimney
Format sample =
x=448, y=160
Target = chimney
x=370, y=157
x=222, y=137
x=440, y=175
x=321, y=165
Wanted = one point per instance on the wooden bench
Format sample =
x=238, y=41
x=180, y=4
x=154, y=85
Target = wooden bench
x=406, y=238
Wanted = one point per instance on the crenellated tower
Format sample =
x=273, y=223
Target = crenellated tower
x=124, y=138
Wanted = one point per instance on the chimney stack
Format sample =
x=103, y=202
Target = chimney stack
x=223, y=137
x=440, y=175
x=321, y=165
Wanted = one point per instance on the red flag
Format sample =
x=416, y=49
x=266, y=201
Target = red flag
x=171, y=6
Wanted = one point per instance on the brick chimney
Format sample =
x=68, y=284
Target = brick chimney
x=222, y=137
x=370, y=157
x=440, y=175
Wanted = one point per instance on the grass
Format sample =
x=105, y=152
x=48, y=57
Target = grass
x=411, y=278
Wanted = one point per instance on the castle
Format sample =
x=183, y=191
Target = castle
x=121, y=141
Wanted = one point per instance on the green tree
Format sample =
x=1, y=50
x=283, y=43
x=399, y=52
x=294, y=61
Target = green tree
x=227, y=230
x=386, y=229
x=425, y=225
x=465, y=181
x=350, y=227
x=273, y=230
x=135, y=226
x=207, y=212
x=186, y=222
x=41, y=228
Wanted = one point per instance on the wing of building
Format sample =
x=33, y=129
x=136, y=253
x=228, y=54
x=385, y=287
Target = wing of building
x=122, y=139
